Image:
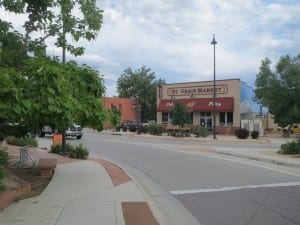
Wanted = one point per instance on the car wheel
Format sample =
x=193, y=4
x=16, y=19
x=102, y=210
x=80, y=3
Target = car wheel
x=78, y=137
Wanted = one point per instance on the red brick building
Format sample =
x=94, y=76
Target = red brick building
x=126, y=107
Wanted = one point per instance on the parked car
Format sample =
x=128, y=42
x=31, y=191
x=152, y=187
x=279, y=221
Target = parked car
x=46, y=130
x=73, y=131
x=14, y=129
x=129, y=125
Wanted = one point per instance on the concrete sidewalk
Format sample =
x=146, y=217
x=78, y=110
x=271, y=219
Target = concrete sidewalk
x=89, y=192
x=263, y=156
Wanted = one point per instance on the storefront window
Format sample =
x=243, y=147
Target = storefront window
x=166, y=117
x=226, y=118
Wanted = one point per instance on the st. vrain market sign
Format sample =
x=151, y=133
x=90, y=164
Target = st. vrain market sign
x=197, y=90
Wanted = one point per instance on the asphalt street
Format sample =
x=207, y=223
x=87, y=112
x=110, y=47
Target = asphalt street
x=215, y=189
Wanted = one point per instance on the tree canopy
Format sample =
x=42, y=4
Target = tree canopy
x=279, y=90
x=37, y=90
x=63, y=19
x=140, y=84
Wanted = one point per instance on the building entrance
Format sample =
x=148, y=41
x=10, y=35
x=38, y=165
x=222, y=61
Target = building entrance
x=206, y=120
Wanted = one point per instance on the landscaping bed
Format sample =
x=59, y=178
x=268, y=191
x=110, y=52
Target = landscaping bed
x=20, y=183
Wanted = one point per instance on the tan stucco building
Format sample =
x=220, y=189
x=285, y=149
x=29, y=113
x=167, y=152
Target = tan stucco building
x=197, y=98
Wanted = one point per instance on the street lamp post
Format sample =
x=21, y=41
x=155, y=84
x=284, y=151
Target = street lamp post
x=139, y=107
x=214, y=42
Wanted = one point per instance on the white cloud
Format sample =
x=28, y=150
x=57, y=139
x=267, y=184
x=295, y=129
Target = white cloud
x=173, y=37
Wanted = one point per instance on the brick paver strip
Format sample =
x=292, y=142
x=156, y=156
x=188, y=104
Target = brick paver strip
x=138, y=213
x=117, y=175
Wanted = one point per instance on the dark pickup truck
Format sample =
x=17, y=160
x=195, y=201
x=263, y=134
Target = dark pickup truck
x=128, y=126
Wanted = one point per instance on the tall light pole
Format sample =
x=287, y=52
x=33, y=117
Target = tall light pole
x=214, y=42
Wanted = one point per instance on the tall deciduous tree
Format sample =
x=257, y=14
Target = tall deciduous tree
x=67, y=20
x=11, y=94
x=62, y=94
x=140, y=84
x=11, y=45
x=279, y=90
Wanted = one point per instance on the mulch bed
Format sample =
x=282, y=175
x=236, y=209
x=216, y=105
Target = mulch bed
x=21, y=183
x=38, y=183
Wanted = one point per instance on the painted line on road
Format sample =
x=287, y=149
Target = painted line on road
x=205, y=190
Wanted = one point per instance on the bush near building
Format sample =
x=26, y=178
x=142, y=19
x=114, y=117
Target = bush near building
x=242, y=133
x=201, y=132
x=254, y=134
x=156, y=129
x=290, y=148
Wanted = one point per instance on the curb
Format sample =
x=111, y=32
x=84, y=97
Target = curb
x=259, y=158
x=165, y=207
x=134, y=213
x=195, y=139
x=251, y=157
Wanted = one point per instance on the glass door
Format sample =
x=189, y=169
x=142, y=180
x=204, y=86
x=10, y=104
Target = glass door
x=206, y=120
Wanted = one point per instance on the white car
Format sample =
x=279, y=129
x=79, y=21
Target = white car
x=73, y=131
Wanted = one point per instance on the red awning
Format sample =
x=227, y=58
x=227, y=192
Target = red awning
x=198, y=104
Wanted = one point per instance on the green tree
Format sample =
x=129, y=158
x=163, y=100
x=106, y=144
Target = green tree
x=180, y=115
x=12, y=103
x=67, y=20
x=140, y=84
x=11, y=44
x=88, y=88
x=62, y=94
x=115, y=116
x=279, y=90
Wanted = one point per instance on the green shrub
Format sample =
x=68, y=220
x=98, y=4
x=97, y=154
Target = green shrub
x=3, y=156
x=156, y=129
x=2, y=173
x=57, y=149
x=242, y=133
x=23, y=141
x=254, y=134
x=79, y=152
x=290, y=148
x=201, y=132
x=142, y=129
x=2, y=136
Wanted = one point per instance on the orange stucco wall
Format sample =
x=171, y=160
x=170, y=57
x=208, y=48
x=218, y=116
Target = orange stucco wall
x=125, y=105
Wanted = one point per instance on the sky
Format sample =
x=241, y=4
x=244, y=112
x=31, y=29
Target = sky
x=173, y=38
